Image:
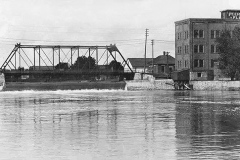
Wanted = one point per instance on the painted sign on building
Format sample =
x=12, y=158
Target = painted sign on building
x=231, y=14
x=234, y=15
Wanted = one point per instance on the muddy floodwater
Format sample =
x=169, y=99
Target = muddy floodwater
x=119, y=125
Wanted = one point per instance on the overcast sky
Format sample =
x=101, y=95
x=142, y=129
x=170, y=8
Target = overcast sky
x=101, y=22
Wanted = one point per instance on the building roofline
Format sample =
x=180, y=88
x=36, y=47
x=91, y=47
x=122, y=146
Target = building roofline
x=232, y=10
x=206, y=19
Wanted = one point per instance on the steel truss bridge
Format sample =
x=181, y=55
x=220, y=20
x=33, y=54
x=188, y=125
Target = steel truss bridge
x=31, y=59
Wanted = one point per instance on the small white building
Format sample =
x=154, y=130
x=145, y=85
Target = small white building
x=137, y=64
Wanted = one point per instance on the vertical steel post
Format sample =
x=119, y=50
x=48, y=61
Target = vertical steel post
x=71, y=56
x=59, y=55
x=89, y=58
x=152, y=54
x=34, y=58
x=77, y=58
x=167, y=64
x=145, y=54
x=15, y=61
x=53, y=57
x=97, y=55
x=19, y=57
x=107, y=57
x=39, y=58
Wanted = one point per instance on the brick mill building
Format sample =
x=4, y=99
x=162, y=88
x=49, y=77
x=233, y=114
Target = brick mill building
x=195, y=46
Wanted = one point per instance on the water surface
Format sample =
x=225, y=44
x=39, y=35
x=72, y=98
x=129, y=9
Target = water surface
x=118, y=124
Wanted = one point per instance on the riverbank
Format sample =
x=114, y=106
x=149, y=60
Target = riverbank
x=167, y=84
x=65, y=85
x=146, y=84
x=216, y=85
x=163, y=84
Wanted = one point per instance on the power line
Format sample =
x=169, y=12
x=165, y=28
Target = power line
x=152, y=54
x=145, y=63
x=160, y=40
x=118, y=42
x=69, y=40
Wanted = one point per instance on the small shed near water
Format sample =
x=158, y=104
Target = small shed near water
x=182, y=75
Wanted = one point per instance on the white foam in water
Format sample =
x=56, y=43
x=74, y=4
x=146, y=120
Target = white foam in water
x=62, y=91
x=211, y=102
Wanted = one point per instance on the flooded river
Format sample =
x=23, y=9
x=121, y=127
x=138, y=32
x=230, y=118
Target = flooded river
x=119, y=125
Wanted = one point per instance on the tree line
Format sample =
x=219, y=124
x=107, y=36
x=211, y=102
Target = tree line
x=86, y=63
x=228, y=45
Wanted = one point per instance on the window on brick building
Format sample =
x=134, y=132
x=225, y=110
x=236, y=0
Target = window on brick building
x=186, y=64
x=186, y=49
x=198, y=48
x=198, y=34
x=195, y=63
x=178, y=35
x=201, y=49
x=179, y=64
x=162, y=69
x=201, y=34
x=212, y=62
x=212, y=34
x=217, y=49
x=195, y=48
x=215, y=34
x=199, y=74
x=179, y=50
x=214, y=49
x=195, y=33
x=186, y=35
x=198, y=63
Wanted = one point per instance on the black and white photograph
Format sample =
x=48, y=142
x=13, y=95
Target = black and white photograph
x=119, y=79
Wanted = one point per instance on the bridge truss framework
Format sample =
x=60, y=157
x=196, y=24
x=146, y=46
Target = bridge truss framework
x=36, y=56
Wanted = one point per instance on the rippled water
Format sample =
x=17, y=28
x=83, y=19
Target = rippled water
x=119, y=124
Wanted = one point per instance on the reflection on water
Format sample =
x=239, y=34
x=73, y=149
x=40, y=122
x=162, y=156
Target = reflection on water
x=207, y=125
x=119, y=125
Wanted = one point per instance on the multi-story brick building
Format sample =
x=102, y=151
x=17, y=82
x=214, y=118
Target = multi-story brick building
x=195, y=46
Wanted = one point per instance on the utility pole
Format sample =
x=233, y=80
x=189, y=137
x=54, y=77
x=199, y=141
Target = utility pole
x=152, y=54
x=167, y=53
x=145, y=61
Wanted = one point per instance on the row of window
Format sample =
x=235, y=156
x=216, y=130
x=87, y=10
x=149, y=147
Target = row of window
x=200, y=63
x=214, y=49
x=198, y=34
x=185, y=49
x=182, y=35
x=197, y=49
x=200, y=49
x=185, y=65
x=215, y=34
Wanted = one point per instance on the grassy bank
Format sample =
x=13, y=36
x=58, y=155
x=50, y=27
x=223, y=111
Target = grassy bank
x=67, y=85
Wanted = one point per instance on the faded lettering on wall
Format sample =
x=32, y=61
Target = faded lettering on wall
x=234, y=15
